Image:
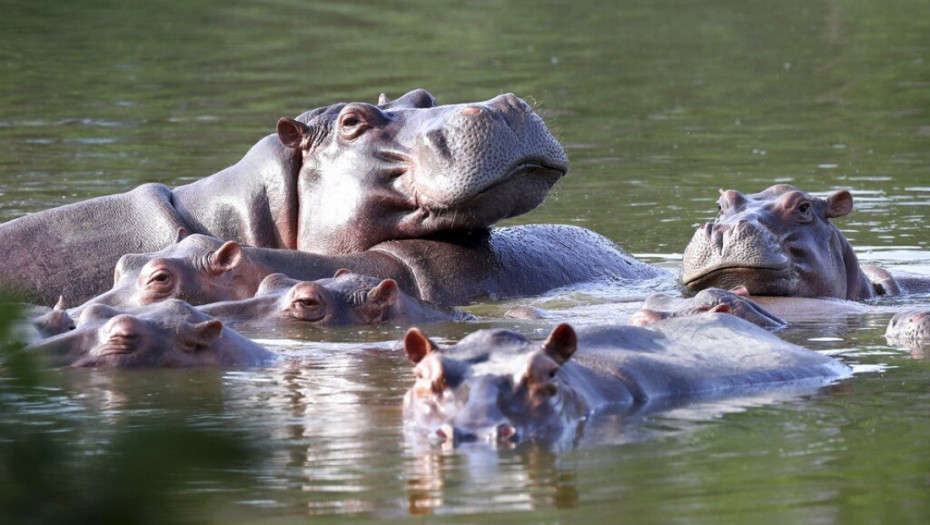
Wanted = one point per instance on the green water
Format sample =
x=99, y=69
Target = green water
x=659, y=104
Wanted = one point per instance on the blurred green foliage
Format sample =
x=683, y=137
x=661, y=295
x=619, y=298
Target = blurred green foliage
x=143, y=472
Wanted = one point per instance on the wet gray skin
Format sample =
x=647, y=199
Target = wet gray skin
x=496, y=386
x=166, y=334
x=504, y=262
x=909, y=328
x=337, y=179
x=735, y=302
x=345, y=299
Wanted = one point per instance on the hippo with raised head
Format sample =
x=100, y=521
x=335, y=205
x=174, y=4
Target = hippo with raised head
x=167, y=334
x=497, y=386
x=345, y=299
x=338, y=179
x=781, y=242
x=503, y=262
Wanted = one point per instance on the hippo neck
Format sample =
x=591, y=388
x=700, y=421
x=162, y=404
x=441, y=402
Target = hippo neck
x=858, y=286
x=263, y=188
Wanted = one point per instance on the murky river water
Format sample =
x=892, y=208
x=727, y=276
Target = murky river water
x=659, y=104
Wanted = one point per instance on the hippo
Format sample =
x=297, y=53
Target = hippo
x=910, y=328
x=344, y=299
x=735, y=302
x=171, y=333
x=781, y=242
x=497, y=386
x=337, y=179
x=500, y=263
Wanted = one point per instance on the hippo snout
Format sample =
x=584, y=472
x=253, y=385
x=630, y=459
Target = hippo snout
x=499, y=433
x=120, y=335
x=465, y=151
x=717, y=247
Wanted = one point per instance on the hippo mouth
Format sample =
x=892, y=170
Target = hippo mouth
x=523, y=188
x=757, y=280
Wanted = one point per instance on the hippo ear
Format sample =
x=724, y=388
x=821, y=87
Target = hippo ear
x=293, y=133
x=839, y=204
x=561, y=344
x=417, y=345
x=342, y=271
x=60, y=305
x=201, y=335
x=384, y=295
x=182, y=233
x=226, y=257
x=383, y=99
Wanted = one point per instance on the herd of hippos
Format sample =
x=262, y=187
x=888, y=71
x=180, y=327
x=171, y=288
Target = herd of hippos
x=357, y=213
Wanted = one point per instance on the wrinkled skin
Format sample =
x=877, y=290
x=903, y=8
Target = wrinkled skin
x=496, y=386
x=345, y=299
x=781, y=242
x=909, y=329
x=735, y=302
x=338, y=179
x=505, y=262
x=167, y=334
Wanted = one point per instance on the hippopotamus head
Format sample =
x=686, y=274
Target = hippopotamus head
x=735, y=302
x=166, y=334
x=346, y=299
x=493, y=386
x=198, y=269
x=910, y=328
x=410, y=168
x=778, y=242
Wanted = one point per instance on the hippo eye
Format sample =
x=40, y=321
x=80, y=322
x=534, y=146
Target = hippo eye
x=553, y=372
x=351, y=125
x=160, y=281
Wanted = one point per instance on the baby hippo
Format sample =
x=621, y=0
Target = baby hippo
x=736, y=302
x=910, y=329
x=165, y=334
x=345, y=299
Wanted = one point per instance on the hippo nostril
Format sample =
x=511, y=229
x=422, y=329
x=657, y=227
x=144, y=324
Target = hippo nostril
x=507, y=432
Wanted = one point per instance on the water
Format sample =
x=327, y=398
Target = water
x=659, y=104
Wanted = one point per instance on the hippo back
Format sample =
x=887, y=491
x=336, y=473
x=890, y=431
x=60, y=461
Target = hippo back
x=700, y=355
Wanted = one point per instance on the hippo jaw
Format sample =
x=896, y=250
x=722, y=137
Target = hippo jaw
x=410, y=169
x=743, y=254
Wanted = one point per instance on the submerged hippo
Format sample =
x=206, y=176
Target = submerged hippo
x=337, y=179
x=167, y=334
x=502, y=262
x=735, y=302
x=496, y=385
x=910, y=328
x=345, y=299
x=781, y=242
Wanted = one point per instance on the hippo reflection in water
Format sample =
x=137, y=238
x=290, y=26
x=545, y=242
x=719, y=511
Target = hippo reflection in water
x=338, y=179
x=166, y=334
x=495, y=385
x=781, y=242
